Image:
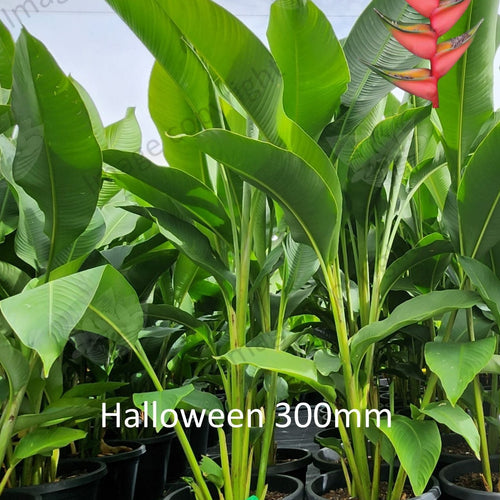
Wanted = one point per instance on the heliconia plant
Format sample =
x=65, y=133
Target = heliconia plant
x=423, y=40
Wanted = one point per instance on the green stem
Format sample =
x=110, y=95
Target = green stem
x=5, y=479
x=399, y=485
x=271, y=401
x=332, y=276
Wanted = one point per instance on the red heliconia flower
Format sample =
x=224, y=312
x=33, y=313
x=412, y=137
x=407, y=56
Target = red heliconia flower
x=418, y=81
x=422, y=40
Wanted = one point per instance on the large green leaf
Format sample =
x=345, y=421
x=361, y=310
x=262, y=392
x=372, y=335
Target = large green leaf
x=486, y=282
x=181, y=99
x=160, y=401
x=312, y=205
x=114, y=311
x=6, y=57
x=418, y=446
x=300, y=264
x=188, y=239
x=456, y=419
x=32, y=244
x=58, y=161
x=282, y=362
x=175, y=113
x=196, y=197
x=236, y=57
x=125, y=134
x=410, y=259
x=370, y=161
x=412, y=311
x=466, y=92
x=14, y=365
x=167, y=312
x=370, y=41
x=43, y=318
x=54, y=415
x=457, y=363
x=479, y=198
x=314, y=80
x=43, y=441
x=12, y=280
x=8, y=211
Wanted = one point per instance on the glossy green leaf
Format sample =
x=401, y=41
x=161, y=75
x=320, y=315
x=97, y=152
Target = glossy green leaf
x=43, y=441
x=213, y=472
x=486, y=283
x=234, y=54
x=412, y=311
x=466, y=92
x=457, y=363
x=167, y=312
x=312, y=205
x=370, y=161
x=370, y=41
x=314, y=80
x=181, y=99
x=456, y=419
x=410, y=259
x=95, y=117
x=195, y=197
x=9, y=214
x=164, y=400
x=185, y=273
x=14, y=364
x=56, y=415
x=32, y=244
x=282, y=362
x=12, y=280
x=301, y=263
x=479, y=198
x=125, y=134
x=58, y=161
x=175, y=113
x=6, y=57
x=188, y=239
x=418, y=446
x=118, y=223
x=43, y=318
x=114, y=311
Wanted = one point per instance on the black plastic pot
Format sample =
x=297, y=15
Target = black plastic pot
x=335, y=479
x=291, y=462
x=81, y=487
x=153, y=465
x=329, y=432
x=326, y=460
x=293, y=488
x=451, y=472
x=121, y=478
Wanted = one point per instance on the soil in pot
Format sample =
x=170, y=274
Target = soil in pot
x=333, y=487
x=79, y=481
x=463, y=480
x=120, y=481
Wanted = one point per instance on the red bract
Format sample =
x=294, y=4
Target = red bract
x=422, y=40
